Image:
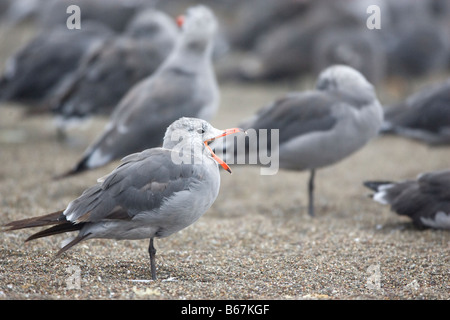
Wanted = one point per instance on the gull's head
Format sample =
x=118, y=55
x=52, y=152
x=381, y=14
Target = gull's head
x=198, y=23
x=193, y=132
x=191, y=129
x=342, y=78
x=152, y=24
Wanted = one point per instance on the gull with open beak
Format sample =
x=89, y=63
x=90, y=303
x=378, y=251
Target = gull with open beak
x=149, y=195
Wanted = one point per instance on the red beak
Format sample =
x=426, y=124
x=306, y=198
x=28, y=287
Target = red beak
x=225, y=133
x=180, y=20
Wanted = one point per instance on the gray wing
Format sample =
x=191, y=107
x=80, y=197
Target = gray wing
x=46, y=60
x=437, y=184
x=423, y=198
x=141, y=183
x=106, y=77
x=169, y=93
x=427, y=110
x=297, y=114
x=25, y=80
x=140, y=120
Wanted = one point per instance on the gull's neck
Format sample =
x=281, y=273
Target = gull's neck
x=190, y=53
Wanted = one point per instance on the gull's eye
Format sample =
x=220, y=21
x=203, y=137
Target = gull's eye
x=201, y=131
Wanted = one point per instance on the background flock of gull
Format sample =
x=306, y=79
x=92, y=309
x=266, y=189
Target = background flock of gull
x=134, y=64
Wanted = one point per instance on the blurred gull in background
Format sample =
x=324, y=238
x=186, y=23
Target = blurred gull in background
x=317, y=128
x=33, y=74
x=184, y=85
x=425, y=200
x=423, y=116
x=107, y=73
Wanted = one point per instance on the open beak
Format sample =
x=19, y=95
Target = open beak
x=225, y=133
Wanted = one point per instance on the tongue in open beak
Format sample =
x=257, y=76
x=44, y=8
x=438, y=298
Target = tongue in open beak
x=225, y=133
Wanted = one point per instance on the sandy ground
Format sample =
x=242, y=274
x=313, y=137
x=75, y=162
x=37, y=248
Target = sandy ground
x=256, y=242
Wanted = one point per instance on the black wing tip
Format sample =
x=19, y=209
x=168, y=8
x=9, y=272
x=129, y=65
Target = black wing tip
x=56, y=229
x=69, y=245
x=45, y=220
x=66, y=174
x=79, y=168
x=374, y=185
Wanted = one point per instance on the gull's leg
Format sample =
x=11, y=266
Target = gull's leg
x=311, y=193
x=152, y=252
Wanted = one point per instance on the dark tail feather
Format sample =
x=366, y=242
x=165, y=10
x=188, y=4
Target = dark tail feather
x=79, y=168
x=59, y=228
x=71, y=244
x=60, y=225
x=374, y=185
x=45, y=220
x=3, y=89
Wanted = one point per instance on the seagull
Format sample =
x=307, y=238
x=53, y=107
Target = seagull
x=423, y=116
x=357, y=47
x=151, y=194
x=36, y=70
x=316, y=128
x=184, y=85
x=425, y=200
x=108, y=73
x=287, y=50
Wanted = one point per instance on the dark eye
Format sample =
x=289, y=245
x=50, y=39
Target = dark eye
x=201, y=131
